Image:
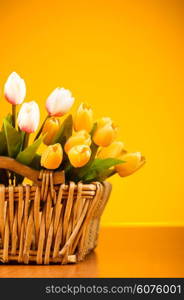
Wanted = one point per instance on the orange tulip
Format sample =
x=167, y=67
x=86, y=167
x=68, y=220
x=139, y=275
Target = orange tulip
x=79, y=138
x=114, y=150
x=50, y=128
x=105, y=133
x=83, y=118
x=132, y=162
x=79, y=155
x=52, y=157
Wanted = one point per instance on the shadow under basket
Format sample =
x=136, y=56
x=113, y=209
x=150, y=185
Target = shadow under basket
x=50, y=221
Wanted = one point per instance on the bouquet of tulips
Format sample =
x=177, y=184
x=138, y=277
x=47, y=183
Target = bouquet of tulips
x=85, y=149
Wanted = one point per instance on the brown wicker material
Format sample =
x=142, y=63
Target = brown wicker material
x=48, y=222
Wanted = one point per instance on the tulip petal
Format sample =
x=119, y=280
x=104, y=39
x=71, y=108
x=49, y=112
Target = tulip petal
x=52, y=157
x=59, y=102
x=29, y=117
x=15, y=89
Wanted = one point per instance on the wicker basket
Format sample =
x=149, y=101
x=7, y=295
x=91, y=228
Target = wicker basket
x=49, y=221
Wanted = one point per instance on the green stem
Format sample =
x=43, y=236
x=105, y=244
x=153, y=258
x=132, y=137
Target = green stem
x=41, y=128
x=26, y=140
x=14, y=115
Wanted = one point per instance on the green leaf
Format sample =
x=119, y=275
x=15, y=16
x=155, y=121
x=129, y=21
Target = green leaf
x=104, y=175
x=9, y=118
x=13, y=139
x=35, y=164
x=64, y=132
x=98, y=168
x=26, y=156
x=106, y=163
x=3, y=145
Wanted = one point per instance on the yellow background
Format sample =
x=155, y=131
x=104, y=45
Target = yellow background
x=125, y=58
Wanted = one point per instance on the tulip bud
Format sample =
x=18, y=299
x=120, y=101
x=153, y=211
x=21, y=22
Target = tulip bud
x=79, y=155
x=132, y=162
x=29, y=117
x=50, y=128
x=114, y=150
x=83, y=118
x=105, y=132
x=52, y=157
x=15, y=89
x=59, y=102
x=79, y=138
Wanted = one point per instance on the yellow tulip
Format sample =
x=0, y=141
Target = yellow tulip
x=50, y=127
x=83, y=118
x=105, y=133
x=114, y=150
x=52, y=157
x=79, y=155
x=133, y=162
x=79, y=138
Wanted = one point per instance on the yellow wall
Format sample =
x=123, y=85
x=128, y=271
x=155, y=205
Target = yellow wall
x=126, y=59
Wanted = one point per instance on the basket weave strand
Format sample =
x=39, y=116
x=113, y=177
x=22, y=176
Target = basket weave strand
x=50, y=223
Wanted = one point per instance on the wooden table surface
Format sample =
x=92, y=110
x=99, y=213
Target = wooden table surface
x=122, y=252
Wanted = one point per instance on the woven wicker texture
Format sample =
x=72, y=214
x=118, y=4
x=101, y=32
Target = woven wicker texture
x=50, y=223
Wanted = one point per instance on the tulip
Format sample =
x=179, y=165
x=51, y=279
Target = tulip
x=15, y=92
x=29, y=117
x=59, y=102
x=132, y=162
x=52, y=157
x=112, y=151
x=15, y=89
x=83, y=118
x=105, y=133
x=50, y=128
x=79, y=155
x=79, y=138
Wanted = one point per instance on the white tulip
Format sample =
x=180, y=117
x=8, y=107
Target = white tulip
x=15, y=89
x=29, y=117
x=59, y=102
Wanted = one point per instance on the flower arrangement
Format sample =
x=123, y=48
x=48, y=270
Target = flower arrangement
x=85, y=149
